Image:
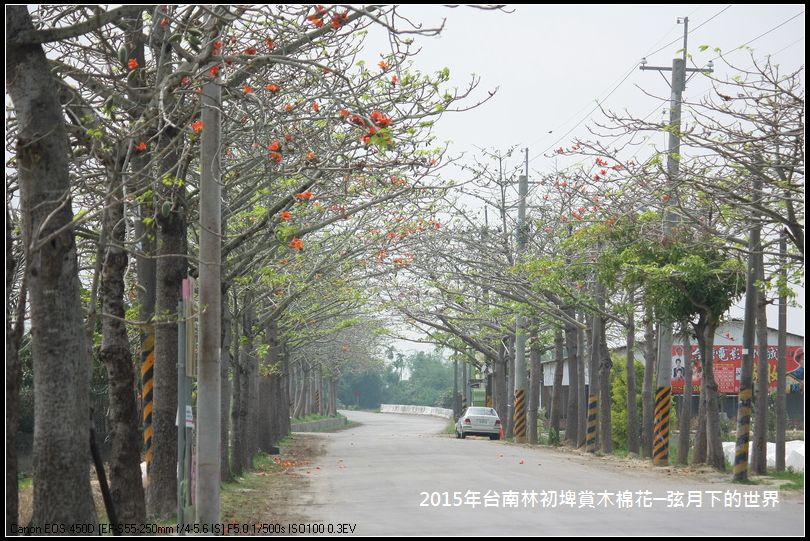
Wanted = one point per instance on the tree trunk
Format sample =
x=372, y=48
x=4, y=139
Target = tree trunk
x=572, y=412
x=535, y=386
x=582, y=397
x=646, y=390
x=146, y=273
x=126, y=485
x=556, y=390
x=14, y=334
x=241, y=456
x=594, y=383
x=171, y=269
x=62, y=492
x=268, y=390
x=781, y=360
x=745, y=396
x=759, y=463
x=332, y=397
x=252, y=393
x=714, y=443
x=630, y=367
x=605, y=390
x=699, y=456
x=510, y=387
x=499, y=382
x=286, y=403
x=225, y=397
x=685, y=415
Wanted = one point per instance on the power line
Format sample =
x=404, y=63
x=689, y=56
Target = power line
x=616, y=87
x=679, y=38
x=771, y=30
x=667, y=45
x=576, y=114
x=575, y=126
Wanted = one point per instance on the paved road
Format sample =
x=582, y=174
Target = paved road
x=375, y=475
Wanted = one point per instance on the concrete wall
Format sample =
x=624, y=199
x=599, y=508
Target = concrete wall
x=416, y=410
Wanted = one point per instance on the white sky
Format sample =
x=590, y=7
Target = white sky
x=551, y=64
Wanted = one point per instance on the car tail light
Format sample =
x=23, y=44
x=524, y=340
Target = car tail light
x=467, y=421
x=497, y=422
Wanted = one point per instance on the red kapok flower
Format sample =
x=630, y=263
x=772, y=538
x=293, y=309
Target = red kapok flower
x=307, y=195
x=275, y=146
x=288, y=107
x=394, y=80
x=381, y=119
x=311, y=155
x=132, y=64
x=213, y=71
x=339, y=19
x=316, y=21
x=288, y=137
x=272, y=87
x=315, y=106
x=286, y=215
x=248, y=89
x=269, y=43
x=251, y=50
x=357, y=119
x=217, y=44
x=185, y=81
x=276, y=156
x=197, y=126
x=140, y=146
x=383, y=65
x=344, y=113
x=297, y=244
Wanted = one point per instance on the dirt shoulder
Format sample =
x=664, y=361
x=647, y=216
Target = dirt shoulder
x=270, y=497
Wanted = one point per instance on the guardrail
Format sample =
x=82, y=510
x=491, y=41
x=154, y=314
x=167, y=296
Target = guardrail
x=416, y=410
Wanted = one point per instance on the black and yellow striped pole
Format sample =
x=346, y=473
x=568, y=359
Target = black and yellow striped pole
x=148, y=384
x=590, y=434
x=520, y=415
x=661, y=425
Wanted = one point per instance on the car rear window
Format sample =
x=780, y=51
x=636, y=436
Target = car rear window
x=481, y=411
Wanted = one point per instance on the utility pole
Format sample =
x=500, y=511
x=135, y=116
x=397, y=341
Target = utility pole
x=520, y=326
x=664, y=381
x=208, y=383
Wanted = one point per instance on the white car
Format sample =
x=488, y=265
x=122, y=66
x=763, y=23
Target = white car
x=479, y=421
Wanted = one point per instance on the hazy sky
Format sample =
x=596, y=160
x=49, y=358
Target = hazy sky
x=552, y=63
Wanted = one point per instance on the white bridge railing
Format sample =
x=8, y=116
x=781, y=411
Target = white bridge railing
x=416, y=410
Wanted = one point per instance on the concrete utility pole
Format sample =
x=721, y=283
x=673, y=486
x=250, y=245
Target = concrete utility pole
x=664, y=381
x=208, y=383
x=520, y=326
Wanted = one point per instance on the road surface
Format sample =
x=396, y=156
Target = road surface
x=401, y=474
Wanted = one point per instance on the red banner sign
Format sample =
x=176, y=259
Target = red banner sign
x=727, y=366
